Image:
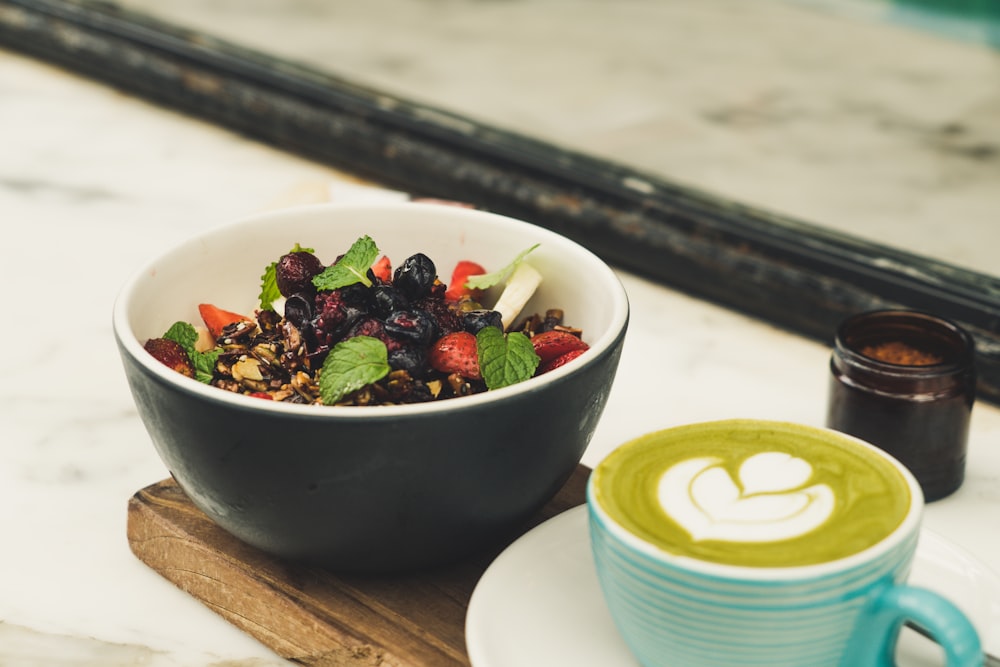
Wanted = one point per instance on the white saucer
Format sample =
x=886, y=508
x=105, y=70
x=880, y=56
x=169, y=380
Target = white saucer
x=539, y=603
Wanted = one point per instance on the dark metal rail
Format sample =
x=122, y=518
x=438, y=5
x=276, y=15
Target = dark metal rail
x=797, y=276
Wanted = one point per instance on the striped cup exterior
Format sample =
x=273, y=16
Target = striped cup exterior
x=672, y=616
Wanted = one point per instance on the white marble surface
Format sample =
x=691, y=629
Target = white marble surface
x=92, y=183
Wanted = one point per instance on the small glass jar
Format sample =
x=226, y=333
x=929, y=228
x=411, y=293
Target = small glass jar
x=905, y=381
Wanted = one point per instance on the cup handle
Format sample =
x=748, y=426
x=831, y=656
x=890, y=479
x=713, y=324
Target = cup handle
x=874, y=641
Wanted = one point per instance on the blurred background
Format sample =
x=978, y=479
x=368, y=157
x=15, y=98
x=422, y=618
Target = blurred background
x=877, y=118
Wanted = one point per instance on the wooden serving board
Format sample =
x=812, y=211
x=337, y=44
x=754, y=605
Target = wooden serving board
x=309, y=615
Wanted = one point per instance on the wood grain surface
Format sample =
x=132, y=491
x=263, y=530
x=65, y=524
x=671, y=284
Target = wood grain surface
x=306, y=614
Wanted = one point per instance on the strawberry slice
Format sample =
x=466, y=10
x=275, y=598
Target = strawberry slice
x=456, y=353
x=456, y=288
x=217, y=319
x=383, y=269
x=561, y=360
x=552, y=344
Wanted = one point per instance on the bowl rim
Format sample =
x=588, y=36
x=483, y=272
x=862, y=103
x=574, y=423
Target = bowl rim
x=130, y=344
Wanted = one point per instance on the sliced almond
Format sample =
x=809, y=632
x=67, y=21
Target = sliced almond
x=247, y=368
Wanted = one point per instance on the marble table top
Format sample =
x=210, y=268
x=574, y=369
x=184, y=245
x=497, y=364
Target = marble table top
x=92, y=183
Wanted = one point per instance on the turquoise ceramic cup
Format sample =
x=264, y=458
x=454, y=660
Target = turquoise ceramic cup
x=710, y=597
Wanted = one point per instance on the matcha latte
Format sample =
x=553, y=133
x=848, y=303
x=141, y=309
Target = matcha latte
x=757, y=494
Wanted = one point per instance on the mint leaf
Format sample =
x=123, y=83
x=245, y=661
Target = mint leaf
x=495, y=278
x=184, y=334
x=351, y=268
x=351, y=365
x=269, y=292
x=505, y=359
x=204, y=362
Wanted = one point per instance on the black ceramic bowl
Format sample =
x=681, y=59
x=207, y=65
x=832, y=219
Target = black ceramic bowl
x=370, y=488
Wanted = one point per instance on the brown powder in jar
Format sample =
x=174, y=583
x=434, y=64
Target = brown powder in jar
x=895, y=352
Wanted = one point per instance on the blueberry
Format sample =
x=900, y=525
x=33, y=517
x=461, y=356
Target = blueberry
x=386, y=299
x=358, y=296
x=415, y=276
x=413, y=326
x=298, y=309
x=409, y=358
x=474, y=321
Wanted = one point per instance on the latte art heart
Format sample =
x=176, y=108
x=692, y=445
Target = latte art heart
x=752, y=493
x=768, y=502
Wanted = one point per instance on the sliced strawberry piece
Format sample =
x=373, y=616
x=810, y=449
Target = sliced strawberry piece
x=456, y=353
x=561, y=360
x=551, y=344
x=170, y=353
x=456, y=288
x=383, y=269
x=217, y=319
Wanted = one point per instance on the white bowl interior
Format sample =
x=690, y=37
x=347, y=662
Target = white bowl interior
x=223, y=266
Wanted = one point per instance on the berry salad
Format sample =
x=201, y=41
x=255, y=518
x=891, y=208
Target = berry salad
x=362, y=332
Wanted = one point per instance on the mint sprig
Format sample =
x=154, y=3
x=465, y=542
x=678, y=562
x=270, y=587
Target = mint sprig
x=505, y=359
x=496, y=277
x=269, y=292
x=351, y=268
x=204, y=362
x=350, y=365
